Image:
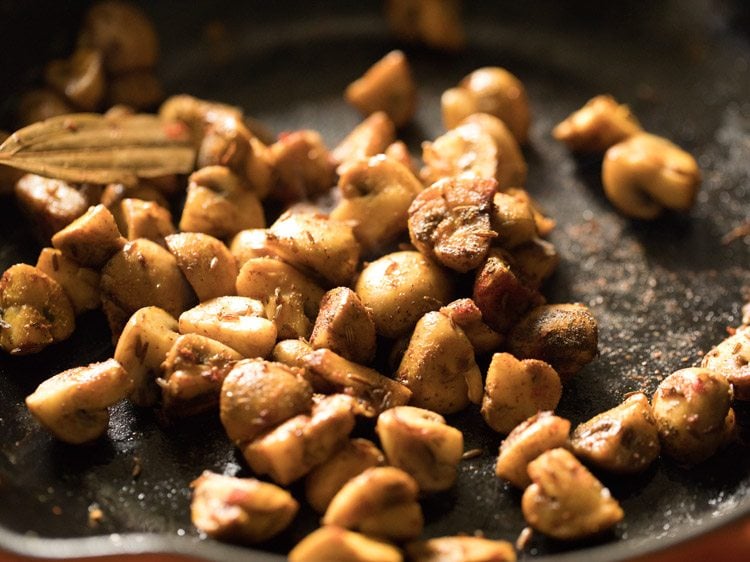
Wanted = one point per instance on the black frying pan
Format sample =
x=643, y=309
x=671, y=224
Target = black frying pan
x=664, y=292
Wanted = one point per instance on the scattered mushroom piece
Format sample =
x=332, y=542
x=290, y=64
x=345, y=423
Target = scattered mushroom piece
x=250, y=243
x=34, y=310
x=565, y=500
x=439, y=366
x=324, y=482
x=731, y=359
x=79, y=78
x=564, y=335
x=257, y=395
x=73, y=405
x=422, y=444
x=192, y=374
x=401, y=287
x=142, y=274
x=335, y=543
x=386, y=86
x=141, y=349
x=205, y=262
x=298, y=445
x=372, y=136
x=465, y=151
x=500, y=293
x=598, y=125
x=399, y=152
x=146, y=219
x=467, y=316
x=515, y=390
x=123, y=33
x=344, y=326
x=461, y=549
x=623, y=439
x=691, y=408
x=450, y=222
x=114, y=194
x=645, y=174
x=376, y=194
x=541, y=432
x=512, y=220
x=50, y=204
x=381, y=501
x=535, y=260
x=219, y=203
x=374, y=391
x=511, y=165
x=240, y=509
x=436, y=23
x=291, y=352
x=92, y=239
x=238, y=322
x=314, y=242
x=303, y=166
x=80, y=284
x=264, y=278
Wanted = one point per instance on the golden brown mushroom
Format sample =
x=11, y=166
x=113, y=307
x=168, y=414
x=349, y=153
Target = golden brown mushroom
x=599, y=124
x=79, y=78
x=461, y=549
x=335, y=543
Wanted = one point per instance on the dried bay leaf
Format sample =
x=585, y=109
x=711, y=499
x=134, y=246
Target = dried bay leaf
x=88, y=147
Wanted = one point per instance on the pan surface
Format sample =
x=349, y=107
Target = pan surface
x=663, y=292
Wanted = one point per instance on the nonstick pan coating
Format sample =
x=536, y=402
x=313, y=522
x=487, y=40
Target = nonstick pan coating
x=663, y=292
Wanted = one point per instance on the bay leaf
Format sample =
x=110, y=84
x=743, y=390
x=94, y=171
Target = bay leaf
x=88, y=147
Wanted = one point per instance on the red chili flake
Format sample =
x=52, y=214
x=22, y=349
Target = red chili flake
x=731, y=330
x=70, y=125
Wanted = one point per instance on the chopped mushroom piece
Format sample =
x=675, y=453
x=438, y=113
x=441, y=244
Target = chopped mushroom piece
x=330, y=543
x=193, y=373
x=205, y=262
x=731, y=359
x=80, y=284
x=535, y=260
x=298, y=445
x=599, y=124
x=146, y=219
x=220, y=203
x=513, y=219
x=386, y=86
x=564, y=335
x=381, y=501
x=256, y=395
x=436, y=23
x=461, y=549
x=450, y=222
x=34, y=310
x=344, y=326
x=439, y=366
x=316, y=243
x=373, y=391
x=376, y=194
x=141, y=349
x=142, y=274
x=565, y=500
x=79, y=78
x=240, y=509
x=250, y=243
x=291, y=352
x=303, y=167
x=372, y=136
x=50, y=204
x=73, y=404
x=500, y=292
x=322, y=484
x=541, y=432
x=467, y=316
x=465, y=151
x=91, y=239
x=399, y=288
x=645, y=174
x=515, y=390
x=623, y=439
x=511, y=165
x=691, y=408
x=422, y=444
x=238, y=322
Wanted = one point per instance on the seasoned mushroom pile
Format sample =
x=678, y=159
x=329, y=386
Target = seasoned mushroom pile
x=333, y=339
